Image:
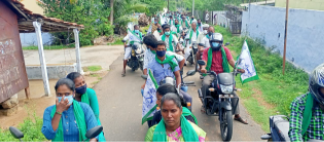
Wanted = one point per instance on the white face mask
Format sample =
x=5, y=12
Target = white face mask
x=205, y=32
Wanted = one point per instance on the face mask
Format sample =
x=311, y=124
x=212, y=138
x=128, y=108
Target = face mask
x=199, y=24
x=69, y=98
x=176, y=23
x=205, y=32
x=215, y=46
x=155, y=22
x=210, y=33
x=167, y=33
x=160, y=53
x=81, y=90
x=192, y=18
x=136, y=31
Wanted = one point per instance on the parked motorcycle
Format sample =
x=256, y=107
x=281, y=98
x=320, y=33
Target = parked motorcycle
x=137, y=57
x=218, y=100
x=279, y=127
x=92, y=133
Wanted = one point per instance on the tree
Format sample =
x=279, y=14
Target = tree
x=111, y=12
x=90, y=13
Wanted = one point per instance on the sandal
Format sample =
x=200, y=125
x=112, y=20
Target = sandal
x=241, y=120
x=123, y=74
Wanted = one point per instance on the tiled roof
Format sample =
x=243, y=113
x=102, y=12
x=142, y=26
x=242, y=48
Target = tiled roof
x=27, y=18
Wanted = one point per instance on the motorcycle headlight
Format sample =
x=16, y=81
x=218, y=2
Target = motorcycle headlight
x=138, y=51
x=226, y=89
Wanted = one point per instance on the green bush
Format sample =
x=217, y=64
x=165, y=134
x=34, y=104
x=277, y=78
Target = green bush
x=31, y=127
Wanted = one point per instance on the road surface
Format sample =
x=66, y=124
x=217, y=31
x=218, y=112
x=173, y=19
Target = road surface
x=120, y=103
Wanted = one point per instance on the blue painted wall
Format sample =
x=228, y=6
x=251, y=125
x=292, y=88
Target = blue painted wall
x=29, y=39
x=305, y=37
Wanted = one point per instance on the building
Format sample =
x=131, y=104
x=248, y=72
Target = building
x=302, y=4
x=33, y=6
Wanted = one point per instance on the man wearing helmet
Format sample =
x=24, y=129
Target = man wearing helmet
x=217, y=57
x=306, y=121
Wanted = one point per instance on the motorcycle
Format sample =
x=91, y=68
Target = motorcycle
x=137, y=57
x=180, y=89
x=92, y=133
x=279, y=127
x=218, y=100
x=192, y=57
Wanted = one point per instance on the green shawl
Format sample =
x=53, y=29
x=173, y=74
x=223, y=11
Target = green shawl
x=172, y=21
x=140, y=36
x=80, y=120
x=210, y=59
x=168, y=60
x=307, y=114
x=170, y=42
x=188, y=132
x=187, y=112
x=187, y=25
x=178, y=28
x=85, y=99
x=191, y=32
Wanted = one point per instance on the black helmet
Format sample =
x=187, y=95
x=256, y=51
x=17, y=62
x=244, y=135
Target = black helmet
x=316, y=82
x=216, y=41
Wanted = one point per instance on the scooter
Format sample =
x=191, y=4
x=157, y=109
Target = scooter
x=137, y=57
x=92, y=133
x=218, y=100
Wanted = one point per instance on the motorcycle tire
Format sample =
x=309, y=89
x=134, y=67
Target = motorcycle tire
x=226, y=126
x=141, y=65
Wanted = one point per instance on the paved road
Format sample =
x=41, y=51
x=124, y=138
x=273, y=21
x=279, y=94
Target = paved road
x=121, y=104
x=102, y=55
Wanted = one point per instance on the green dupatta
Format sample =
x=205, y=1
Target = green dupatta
x=140, y=36
x=170, y=42
x=79, y=118
x=210, y=59
x=187, y=112
x=188, y=132
x=168, y=60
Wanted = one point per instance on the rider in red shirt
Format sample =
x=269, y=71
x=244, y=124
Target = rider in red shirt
x=218, y=66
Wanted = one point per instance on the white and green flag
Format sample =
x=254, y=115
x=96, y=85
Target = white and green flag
x=133, y=37
x=245, y=62
x=149, y=98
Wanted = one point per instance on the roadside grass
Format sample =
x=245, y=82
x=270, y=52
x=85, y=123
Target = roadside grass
x=92, y=68
x=31, y=127
x=275, y=89
x=52, y=47
x=117, y=42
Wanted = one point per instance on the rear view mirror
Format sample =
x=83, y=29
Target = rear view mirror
x=16, y=132
x=191, y=72
x=94, y=132
x=144, y=76
x=201, y=62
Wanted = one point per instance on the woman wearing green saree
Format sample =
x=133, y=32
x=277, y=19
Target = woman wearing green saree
x=174, y=126
x=86, y=95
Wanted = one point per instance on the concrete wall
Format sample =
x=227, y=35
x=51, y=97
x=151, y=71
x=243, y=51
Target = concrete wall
x=305, y=44
x=54, y=72
x=302, y=4
x=33, y=6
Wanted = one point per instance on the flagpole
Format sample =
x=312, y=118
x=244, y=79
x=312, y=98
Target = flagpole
x=286, y=27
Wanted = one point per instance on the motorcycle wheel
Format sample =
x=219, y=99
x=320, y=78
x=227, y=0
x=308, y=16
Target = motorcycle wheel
x=226, y=126
x=141, y=65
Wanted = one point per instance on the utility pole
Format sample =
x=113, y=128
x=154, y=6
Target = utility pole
x=168, y=5
x=286, y=28
x=193, y=7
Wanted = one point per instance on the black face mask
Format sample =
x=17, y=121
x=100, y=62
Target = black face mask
x=210, y=33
